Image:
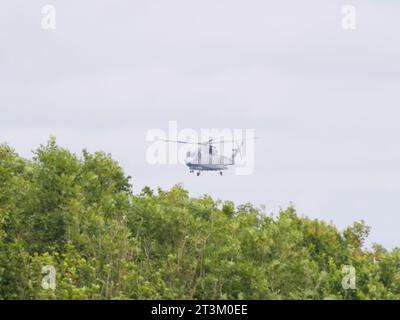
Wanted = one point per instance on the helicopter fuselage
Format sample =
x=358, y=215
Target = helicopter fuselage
x=206, y=157
x=206, y=167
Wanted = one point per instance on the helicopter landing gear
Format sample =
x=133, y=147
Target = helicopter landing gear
x=220, y=173
x=198, y=173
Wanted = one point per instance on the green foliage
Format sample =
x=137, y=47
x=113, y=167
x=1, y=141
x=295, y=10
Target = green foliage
x=79, y=214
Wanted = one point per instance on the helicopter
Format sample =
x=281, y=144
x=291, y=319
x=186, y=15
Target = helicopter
x=206, y=157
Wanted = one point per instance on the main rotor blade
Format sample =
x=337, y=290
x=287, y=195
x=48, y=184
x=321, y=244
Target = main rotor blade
x=185, y=142
x=232, y=141
x=211, y=141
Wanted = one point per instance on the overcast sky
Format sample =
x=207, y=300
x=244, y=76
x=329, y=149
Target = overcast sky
x=325, y=101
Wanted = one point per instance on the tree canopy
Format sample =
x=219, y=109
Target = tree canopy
x=80, y=215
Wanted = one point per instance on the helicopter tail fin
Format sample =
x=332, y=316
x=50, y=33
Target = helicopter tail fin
x=237, y=151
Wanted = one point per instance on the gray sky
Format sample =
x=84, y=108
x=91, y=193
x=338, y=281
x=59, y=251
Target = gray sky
x=324, y=101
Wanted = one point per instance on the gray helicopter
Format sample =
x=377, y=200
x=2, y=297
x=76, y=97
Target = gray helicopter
x=206, y=157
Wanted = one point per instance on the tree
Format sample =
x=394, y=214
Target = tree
x=79, y=214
